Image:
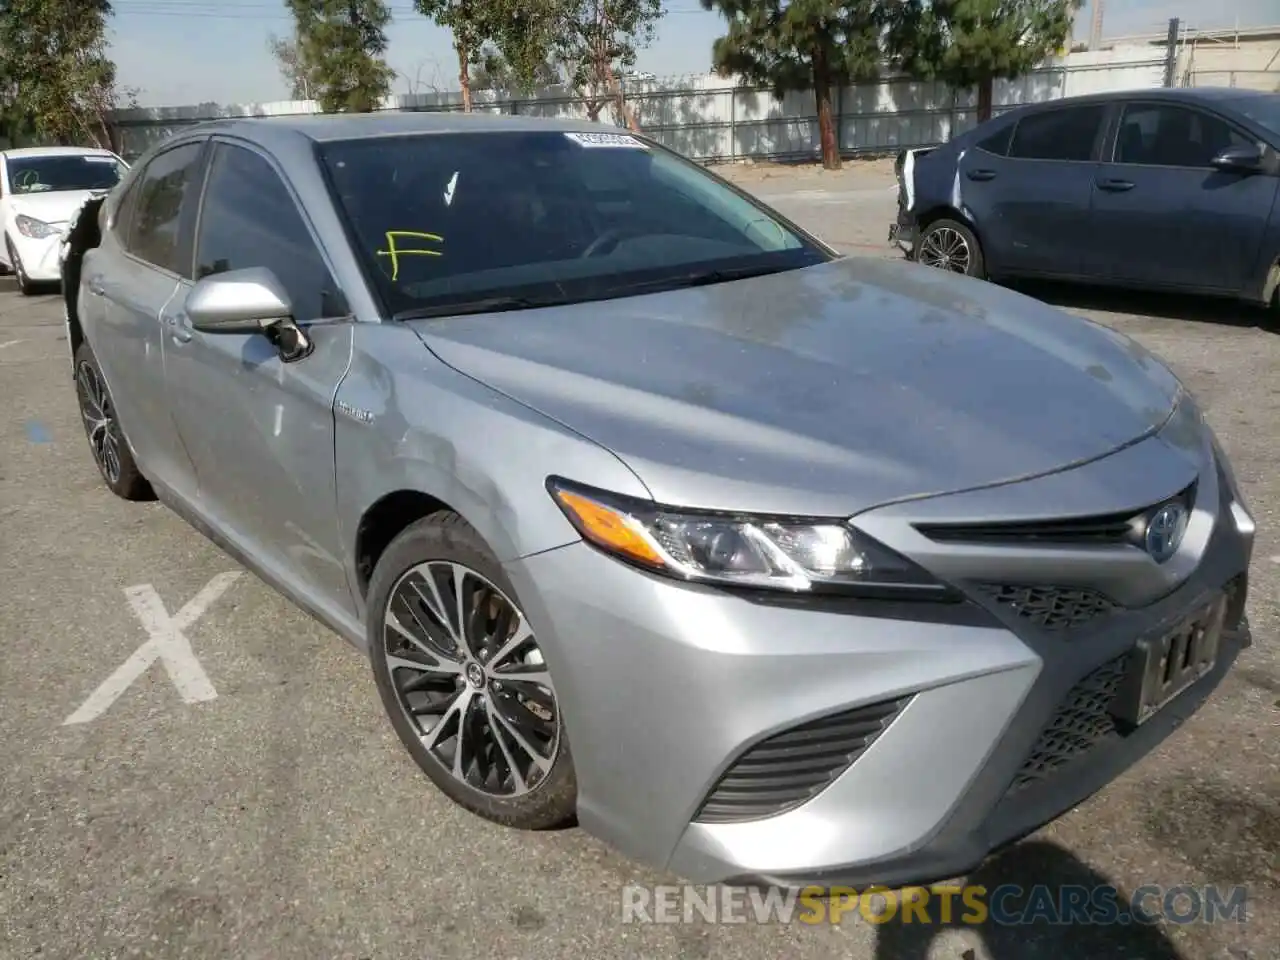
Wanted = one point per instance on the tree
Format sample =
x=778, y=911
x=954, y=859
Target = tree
x=513, y=37
x=801, y=45
x=973, y=43
x=53, y=60
x=470, y=22
x=343, y=44
x=595, y=40
x=299, y=74
x=494, y=72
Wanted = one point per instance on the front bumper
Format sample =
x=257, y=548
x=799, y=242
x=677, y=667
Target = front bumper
x=664, y=687
x=903, y=234
x=41, y=260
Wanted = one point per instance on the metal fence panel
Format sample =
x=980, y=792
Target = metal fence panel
x=709, y=118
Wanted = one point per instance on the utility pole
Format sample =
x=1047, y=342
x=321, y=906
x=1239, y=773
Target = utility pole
x=1095, y=26
x=1171, y=53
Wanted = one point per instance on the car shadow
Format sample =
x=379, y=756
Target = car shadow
x=1030, y=865
x=1169, y=306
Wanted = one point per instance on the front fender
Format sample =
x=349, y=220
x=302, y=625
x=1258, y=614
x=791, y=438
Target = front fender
x=406, y=421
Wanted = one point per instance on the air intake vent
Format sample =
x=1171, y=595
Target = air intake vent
x=1053, y=609
x=792, y=767
x=1082, y=722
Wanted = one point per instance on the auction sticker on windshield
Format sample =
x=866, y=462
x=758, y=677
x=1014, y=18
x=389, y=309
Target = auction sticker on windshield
x=624, y=140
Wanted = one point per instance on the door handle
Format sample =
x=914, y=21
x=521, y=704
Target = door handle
x=95, y=286
x=1115, y=186
x=981, y=174
x=179, y=325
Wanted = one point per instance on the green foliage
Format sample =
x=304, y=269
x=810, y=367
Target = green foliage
x=971, y=42
x=507, y=42
x=494, y=72
x=597, y=39
x=343, y=43
x=297, y=71
x=57, y=83
x=786, y=46
x=802, y=45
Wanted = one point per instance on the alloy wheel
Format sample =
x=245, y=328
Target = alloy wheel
x=100, y=422
x=946, y=249
x=470, y=678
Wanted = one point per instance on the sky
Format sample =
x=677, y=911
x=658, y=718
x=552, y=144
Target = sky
x=180, y=52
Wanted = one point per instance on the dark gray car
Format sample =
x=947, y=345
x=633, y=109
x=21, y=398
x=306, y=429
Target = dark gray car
x=1159, y=189
x=648, y=507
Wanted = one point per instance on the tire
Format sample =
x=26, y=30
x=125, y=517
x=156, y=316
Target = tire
x=420, y=702
x=103, y=430
x=25, y=286
x=950, y=245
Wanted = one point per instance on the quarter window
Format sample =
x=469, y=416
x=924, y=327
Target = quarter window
x=1165, y=135
x=165, y=191
x=997, y=143
x=250, y=219
x=1063, y=134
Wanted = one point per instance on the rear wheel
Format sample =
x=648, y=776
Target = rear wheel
x=463, y=679
x=950, y=245
x=107, y=441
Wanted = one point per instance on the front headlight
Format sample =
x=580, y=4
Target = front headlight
x=33, y=228
x=758, y=552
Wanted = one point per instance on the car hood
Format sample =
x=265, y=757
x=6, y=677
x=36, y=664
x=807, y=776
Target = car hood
x=821, y=391
x=53, y=207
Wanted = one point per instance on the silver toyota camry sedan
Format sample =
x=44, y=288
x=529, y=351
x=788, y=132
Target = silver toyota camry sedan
x=648, y=508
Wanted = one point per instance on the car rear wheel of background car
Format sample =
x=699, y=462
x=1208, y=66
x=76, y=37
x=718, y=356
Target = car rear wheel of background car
x=24, y=284
x=463, y=680
x=107, y=441
x=950, y=245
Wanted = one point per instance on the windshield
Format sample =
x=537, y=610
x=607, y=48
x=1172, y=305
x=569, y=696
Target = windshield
x=54, y=172
x=1264, y=111
x=525, y=219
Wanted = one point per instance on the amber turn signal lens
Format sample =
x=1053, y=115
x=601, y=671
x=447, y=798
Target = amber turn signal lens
x=608, y=529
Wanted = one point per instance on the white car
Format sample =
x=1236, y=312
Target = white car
x=41, y=188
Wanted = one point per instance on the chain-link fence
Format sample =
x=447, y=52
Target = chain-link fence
x=710, y=119
x=1265, y=80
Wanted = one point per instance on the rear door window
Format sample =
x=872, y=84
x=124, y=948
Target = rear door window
x=1067, y=133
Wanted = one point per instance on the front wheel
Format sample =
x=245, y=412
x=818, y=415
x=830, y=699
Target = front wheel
x=950, y=245
x=25, y=287
x=463, y=679
x=107, y=442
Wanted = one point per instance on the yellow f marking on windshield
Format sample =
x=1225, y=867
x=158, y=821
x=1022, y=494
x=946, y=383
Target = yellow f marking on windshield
x=395, y=253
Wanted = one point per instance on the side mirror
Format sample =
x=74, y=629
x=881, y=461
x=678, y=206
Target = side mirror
x=238, y=301
x=1242, y=159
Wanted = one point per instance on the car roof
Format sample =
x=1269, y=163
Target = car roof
x=320, y=128
x=18, y=152
x=1179, y=94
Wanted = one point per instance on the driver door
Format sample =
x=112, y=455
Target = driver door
x=260, y=430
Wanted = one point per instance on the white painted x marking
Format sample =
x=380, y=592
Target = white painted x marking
x=166, y=642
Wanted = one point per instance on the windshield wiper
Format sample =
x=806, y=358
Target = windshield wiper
x=458, y=308
x=698, y=278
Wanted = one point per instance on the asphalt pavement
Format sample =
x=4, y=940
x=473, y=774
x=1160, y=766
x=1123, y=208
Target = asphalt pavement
x=244, y=797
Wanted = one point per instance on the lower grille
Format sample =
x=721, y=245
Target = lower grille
x=1050, y=608
x=1080, y=724
x=789, y=768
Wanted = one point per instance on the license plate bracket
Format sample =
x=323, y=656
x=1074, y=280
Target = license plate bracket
x=1164, y=665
